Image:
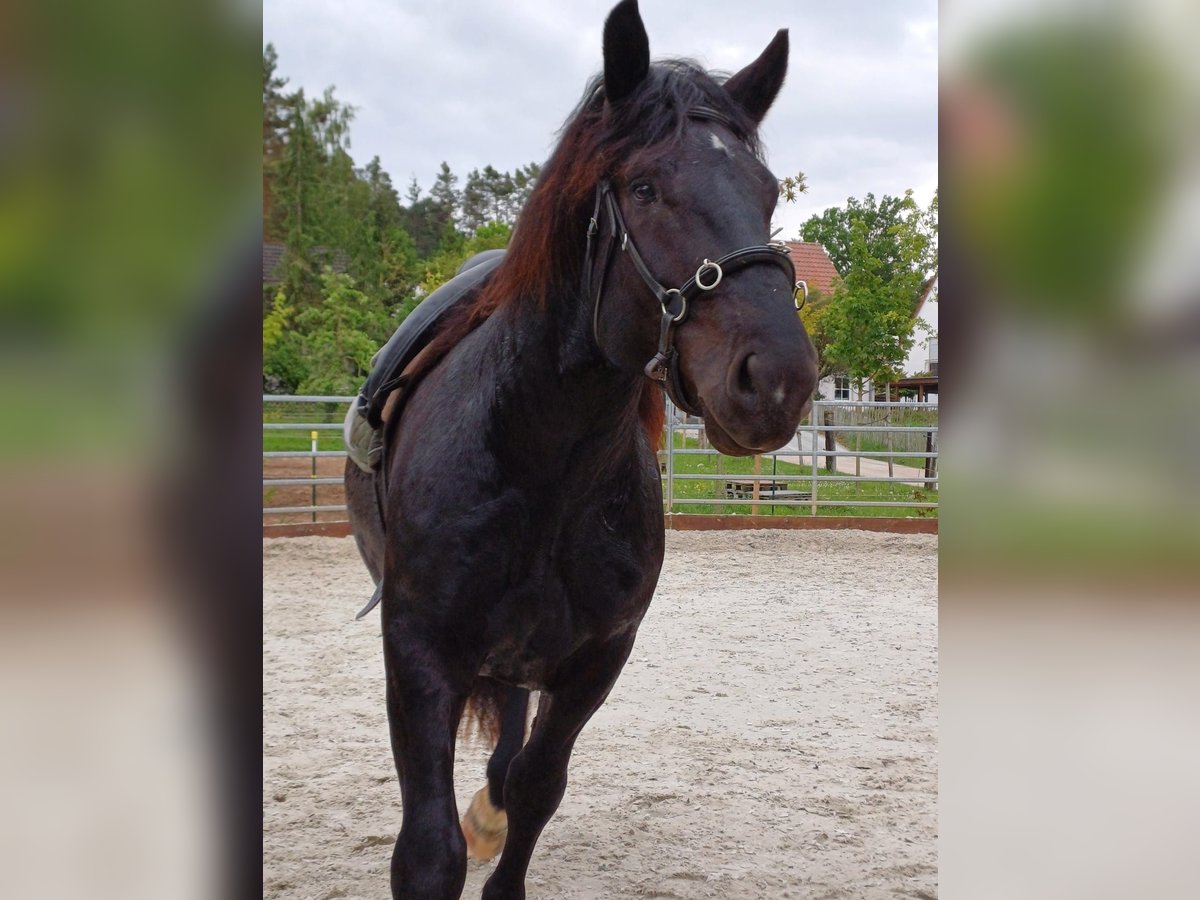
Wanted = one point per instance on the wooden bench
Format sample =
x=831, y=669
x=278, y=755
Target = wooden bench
x=768, y=489
x=785, y=495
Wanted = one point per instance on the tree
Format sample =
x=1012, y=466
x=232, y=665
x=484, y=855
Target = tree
x=283, y=362
x=385, y=202
x=445, y=195
x=330, y=216
x=813, y=316
x=340, y=336
x=400, y=265
x=442, y=266
x=317, y=206
x=524, y=181
x=276, y=321
x=494, y=196
x=886, y=253
x=423, y=222
x=868, y=324
x=832, y=229
x=328, y=213
x=275, y=122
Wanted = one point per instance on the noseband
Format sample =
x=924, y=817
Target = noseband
x=664, y=366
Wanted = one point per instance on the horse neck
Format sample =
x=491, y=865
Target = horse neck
x=558, y=379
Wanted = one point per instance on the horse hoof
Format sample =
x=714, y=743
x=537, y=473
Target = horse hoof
x=484, y=827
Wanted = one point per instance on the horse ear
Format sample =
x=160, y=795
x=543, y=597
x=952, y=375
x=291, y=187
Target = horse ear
x=626, y=51
x=756, y=86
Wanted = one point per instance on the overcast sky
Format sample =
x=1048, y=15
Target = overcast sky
x=477, y=83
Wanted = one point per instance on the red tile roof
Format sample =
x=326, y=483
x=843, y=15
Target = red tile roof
x=813, y=266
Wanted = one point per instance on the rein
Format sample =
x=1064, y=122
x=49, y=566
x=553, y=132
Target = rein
x=663, y=367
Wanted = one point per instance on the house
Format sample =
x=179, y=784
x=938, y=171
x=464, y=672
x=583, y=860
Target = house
x=273, y=254
x=816, y=269
x=813, y=266
x=272, y=263
x=920, y=382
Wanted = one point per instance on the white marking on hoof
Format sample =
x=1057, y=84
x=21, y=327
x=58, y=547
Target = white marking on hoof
x=484, y=827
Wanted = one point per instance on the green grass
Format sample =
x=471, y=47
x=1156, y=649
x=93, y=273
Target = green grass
x=871, y=445
x=302, y=414
x=799, y=477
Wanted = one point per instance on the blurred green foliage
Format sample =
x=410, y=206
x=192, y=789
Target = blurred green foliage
x=126, y=179
x=1072, y=438
x=130, y=169
x=1067, y=139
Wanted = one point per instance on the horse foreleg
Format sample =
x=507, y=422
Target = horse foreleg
x=537, y=776
x=425, y=699
x=485, y=824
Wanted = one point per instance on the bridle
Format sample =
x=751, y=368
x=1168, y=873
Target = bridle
x=675, y=302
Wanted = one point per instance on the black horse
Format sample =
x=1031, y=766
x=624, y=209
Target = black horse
x=517, y=525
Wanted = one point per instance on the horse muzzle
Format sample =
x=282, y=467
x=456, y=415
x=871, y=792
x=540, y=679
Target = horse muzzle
x=760, y=402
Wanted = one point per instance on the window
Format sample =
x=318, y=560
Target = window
x=841, y=388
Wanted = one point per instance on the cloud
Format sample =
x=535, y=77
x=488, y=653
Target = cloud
x=477, y=84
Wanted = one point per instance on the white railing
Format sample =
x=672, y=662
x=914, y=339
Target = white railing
x=825, y=469
x=302, y=428
x=849, y=457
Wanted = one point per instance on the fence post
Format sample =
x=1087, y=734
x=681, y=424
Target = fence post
x=670, y=457
x=755, y=509
x=890, y=446
x=830, y=443
x=312, y=436
x=812, y=424
x=930, y=461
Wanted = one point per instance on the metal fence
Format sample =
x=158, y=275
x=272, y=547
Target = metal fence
x=850, y=458
x=303, y=458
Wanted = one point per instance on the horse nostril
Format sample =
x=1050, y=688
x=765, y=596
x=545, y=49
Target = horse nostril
x=745, y=381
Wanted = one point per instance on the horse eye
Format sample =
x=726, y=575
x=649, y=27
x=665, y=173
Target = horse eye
x=643, y=191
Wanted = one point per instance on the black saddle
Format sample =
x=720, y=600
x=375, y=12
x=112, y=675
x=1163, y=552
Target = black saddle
x=416, y=331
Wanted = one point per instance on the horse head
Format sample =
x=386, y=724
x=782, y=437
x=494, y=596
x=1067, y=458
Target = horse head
x=689, y=192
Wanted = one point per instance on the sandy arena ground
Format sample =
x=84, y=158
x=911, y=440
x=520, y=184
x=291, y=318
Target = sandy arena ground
x=773, y=734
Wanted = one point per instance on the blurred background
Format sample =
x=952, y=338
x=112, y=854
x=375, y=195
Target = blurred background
x=130, y=384
x=1074, y=164
x=1070, y=652
x=129, y=365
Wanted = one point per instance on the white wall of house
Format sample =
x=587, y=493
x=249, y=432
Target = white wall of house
x=924, y=351
x=832, y=388
x=924, y=346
